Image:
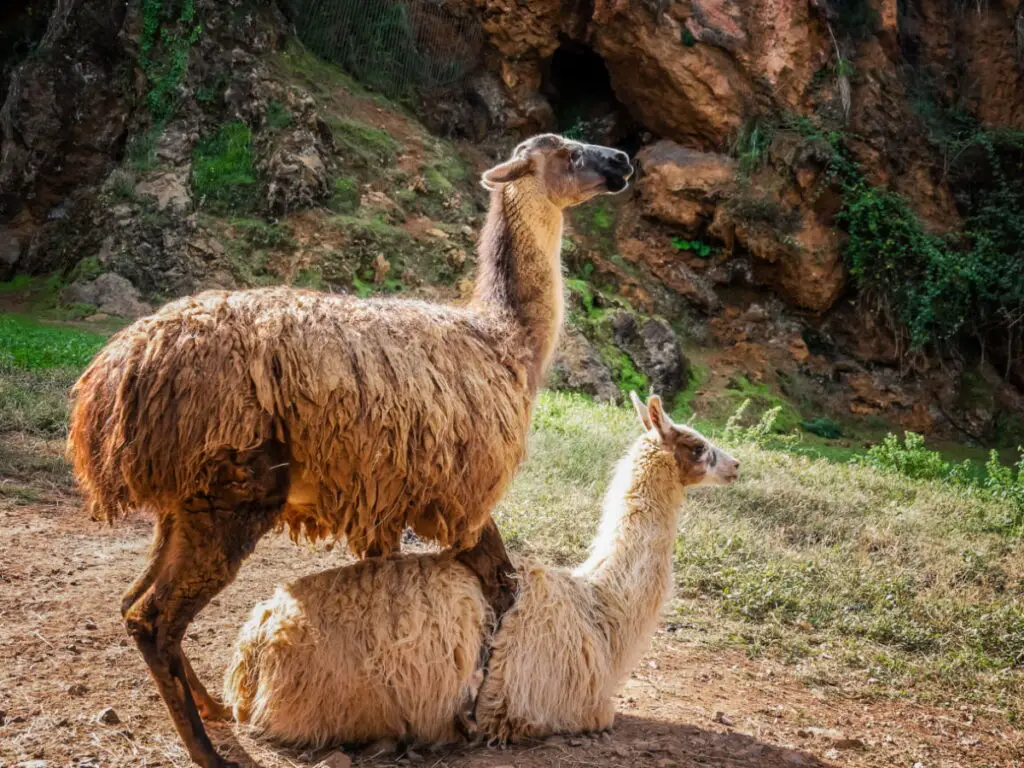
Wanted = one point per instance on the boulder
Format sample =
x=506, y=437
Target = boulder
x=681, y=186
x=578, y=367
x=298, y=169
x=113, y=294
x=171, y=190
x=655, y=350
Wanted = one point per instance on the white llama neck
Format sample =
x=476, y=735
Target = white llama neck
x=630, y=566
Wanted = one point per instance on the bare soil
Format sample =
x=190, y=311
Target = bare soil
x=64, y=659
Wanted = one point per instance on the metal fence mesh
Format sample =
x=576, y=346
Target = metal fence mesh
x=402, y=48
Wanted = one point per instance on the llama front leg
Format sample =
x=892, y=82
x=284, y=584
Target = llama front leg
x=490, y=562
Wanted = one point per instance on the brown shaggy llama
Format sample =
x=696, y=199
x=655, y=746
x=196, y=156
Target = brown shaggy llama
x=231, y=413
x=389, y=648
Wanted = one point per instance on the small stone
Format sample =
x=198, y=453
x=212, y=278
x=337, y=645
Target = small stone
x=802, y=733
x=849, y=744
x=91, y=625
x=437, y=233
x=336, y=759
x=724, y=719
x=77, y=689
x=575, y=743
x=109, y=717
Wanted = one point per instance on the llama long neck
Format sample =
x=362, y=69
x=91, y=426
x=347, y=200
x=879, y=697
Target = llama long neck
x=520, y=269
x=630, y=566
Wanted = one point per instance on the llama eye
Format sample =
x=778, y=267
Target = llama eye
x=698, y=453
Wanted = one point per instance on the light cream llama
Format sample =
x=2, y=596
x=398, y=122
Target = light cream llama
x=391, y=647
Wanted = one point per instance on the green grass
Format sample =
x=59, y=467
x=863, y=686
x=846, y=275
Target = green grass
x=223, y=176
x=362, y=143
x=28, y=344
x=893, y=585
x=346, y=196
x=279, y=116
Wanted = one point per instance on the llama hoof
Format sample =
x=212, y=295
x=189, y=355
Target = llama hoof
x=215, y=713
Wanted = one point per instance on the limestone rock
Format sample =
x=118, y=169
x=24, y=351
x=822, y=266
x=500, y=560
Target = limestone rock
x=681, y=186
x=577, y=367
x=654, y=348
x=113, y=294
x=171, y=190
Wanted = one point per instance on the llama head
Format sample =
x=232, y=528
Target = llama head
x=700, y=462
x=567, y=172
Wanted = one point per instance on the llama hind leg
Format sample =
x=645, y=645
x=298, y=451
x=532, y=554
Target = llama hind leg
x=207, y=541
x=490, y=562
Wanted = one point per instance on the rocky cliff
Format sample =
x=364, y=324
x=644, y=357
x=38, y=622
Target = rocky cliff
x=816, y=177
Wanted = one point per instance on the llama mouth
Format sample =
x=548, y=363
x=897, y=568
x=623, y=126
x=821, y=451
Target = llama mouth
x=615, y=182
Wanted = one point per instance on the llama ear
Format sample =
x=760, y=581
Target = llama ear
x=514, y=169
x=659, y=419
x=641, y=411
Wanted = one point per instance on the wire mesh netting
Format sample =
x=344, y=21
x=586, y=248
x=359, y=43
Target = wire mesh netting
x=402, y=48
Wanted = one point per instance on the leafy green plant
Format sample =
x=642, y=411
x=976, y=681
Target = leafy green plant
x=223, y=176
x=750, y=147
x=699, y=247
x=823, y=427
x=28, y=344
x=910, y=458
x=169, y=30
x=279, y=116
x=759, y=434
x=345, y=198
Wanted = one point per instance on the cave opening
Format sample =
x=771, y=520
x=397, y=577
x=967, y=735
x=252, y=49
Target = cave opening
x=579, y=88
x=22, y=24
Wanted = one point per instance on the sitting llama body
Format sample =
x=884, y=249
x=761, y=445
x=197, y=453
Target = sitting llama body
x=391, y=648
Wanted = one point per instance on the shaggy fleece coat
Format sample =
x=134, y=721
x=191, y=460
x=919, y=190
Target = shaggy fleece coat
x=390, y=647
x=394, y=413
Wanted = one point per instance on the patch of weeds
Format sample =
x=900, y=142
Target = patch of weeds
x=698, y=247
x=823, y=427
x=141, y=151
x=35, y=402
x=764, y=399
x=17, y=284
x=169, y=30
x=345, y=196
x=682, y=404
x=601, y=218
x=750, y=147
x=310, y=278
x=88, y=268
x=264, y=234
x=29, y=344
x=368, y=146
x=624, y=373
x=223, y=176
x=279, y=116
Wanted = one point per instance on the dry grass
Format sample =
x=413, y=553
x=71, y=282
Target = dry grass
x=887, y=582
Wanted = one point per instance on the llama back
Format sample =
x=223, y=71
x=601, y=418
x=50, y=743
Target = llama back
x=410, y=413
x=550, y=669
x=382, y=648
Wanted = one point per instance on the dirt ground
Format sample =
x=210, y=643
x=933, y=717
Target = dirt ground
x=64, y=659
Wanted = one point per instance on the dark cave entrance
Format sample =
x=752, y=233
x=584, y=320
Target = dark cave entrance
x=22, y=24
x=579, y=89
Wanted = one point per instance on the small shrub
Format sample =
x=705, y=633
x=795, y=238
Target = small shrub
x=345, y=198
x=279, y=116
x=223, y=176
x=624, y=373
x=700, y=248
x=757, y=434
x=601, y=218
x=168, y=34
x=823, y=427
x=910, y=458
